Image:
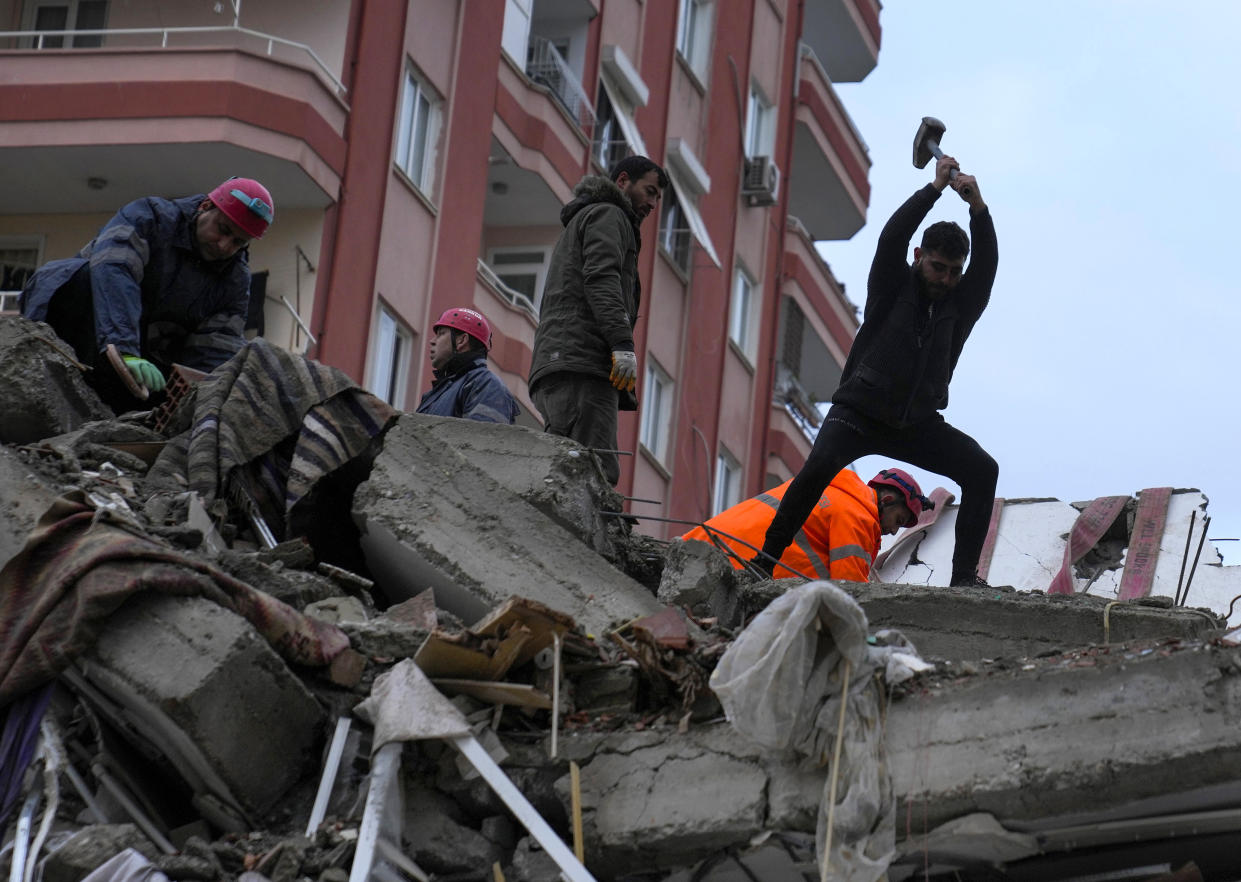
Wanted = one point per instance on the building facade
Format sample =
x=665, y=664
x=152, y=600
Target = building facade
x=419, y=154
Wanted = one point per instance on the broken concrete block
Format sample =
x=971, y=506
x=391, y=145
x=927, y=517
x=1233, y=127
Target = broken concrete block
x=553, y=474
x=25, y=495
x=531, y=864
x=200, y=684
x=92, y=846
x=693, y=572
x=42, y=392
x=970, y=623
x=438, y=843
x=337, y=610
x=430, y=518
x=606, y=689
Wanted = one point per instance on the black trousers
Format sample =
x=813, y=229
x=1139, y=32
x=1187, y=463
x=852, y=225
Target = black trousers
x=933, y=445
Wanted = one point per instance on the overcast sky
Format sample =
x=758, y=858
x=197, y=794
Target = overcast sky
x=1106, y=139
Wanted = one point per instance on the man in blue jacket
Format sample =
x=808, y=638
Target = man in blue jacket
x=464, y=387
x=896, y=378
x=164, y=281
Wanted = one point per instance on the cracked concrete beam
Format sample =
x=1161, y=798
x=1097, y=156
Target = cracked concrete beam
x=1032, y=746
x=970, y=623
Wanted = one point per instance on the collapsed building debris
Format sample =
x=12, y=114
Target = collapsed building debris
x=1051, y=727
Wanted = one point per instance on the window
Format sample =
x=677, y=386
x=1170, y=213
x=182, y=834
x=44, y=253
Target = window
x=608, y=144
x=758, y=126
x=741, y=313
x=516, y=34
x=523, y=271
x=694, y=33
x=390, y=362
x=727, y=482
x=66, y=15
x=656, y=411
x=19, y=257
x=417, y=131
x=674, y=232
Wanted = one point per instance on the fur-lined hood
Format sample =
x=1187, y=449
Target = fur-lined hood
x=597, y=188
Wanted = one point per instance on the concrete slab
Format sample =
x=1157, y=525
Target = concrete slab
x=200, y=684
x=429, y=518
x=42, y=392
x=1121, y=733
x=968, y=623
x=25, y=494
x=555, y=475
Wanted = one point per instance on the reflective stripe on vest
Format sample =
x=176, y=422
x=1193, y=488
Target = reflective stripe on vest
x=850, y=551
x=821, y=569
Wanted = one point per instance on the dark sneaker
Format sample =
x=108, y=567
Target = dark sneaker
x=970, y=581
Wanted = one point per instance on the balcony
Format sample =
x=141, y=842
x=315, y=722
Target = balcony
x=138, y=109
x=830, y=190
x=844, y=34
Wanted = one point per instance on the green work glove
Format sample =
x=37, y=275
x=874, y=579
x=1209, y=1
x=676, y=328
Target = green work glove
x=144, y=372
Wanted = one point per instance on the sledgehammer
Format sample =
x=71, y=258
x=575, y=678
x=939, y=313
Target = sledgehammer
x=926, y=145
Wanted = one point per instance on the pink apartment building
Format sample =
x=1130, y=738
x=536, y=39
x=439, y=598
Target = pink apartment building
x=419, y=153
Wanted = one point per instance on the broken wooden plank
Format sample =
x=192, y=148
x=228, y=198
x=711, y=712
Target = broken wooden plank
x=516, y=694
x=542, y=621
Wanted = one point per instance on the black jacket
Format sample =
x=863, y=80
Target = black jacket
x=903, y=357
x=590, y=301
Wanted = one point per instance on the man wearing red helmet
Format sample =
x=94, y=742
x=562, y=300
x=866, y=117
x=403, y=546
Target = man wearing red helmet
x=463, y=385
x=839, y=539
x=164, y=281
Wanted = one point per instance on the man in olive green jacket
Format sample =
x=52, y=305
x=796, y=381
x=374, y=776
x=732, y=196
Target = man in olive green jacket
x=584, y=367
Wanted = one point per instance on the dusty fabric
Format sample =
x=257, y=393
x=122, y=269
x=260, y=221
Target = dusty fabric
x=781, y=684
x=405, y=706
x=80, y=565
x=287, y=420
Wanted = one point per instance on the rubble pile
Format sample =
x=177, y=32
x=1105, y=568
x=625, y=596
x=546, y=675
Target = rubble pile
x=194, y=652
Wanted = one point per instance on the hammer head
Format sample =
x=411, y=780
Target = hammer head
x=926, y=142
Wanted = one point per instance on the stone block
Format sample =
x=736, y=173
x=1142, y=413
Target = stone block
x=198, y=683
x=693, y=573
x=92, y=846
x=556, y=475
x=25, y=494
x=429, y=518
x=42, y=392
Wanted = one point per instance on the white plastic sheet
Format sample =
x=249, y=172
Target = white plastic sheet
x=780, y=684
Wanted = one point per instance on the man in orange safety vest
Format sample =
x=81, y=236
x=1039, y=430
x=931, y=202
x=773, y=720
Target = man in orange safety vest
x=840, y=539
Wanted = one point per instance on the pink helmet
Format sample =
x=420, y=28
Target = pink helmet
x=468, y=321
x=246, y=203
x=905, y=484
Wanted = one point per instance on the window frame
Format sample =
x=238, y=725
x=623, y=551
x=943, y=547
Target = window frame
x=414, y=86
x=694, y=25
x=392, y=363
x=759, y=128
x=655, y=427
x=726, y=488
x=669, y=237
x=17, y=243
x=73, y=12
x=741, y=316
x=540, y=269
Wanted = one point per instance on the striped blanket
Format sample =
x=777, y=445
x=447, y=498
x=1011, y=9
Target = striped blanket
x=80, y=565
x=272, y=423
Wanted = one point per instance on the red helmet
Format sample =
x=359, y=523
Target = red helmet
x=904, y=483
x=468, y=321
x=246, y=203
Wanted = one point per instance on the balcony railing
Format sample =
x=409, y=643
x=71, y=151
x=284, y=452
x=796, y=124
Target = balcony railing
x=546, y=66
x=516, y=298
x=161, y=37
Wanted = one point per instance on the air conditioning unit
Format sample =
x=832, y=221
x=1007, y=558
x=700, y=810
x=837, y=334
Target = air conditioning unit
x=762, y=180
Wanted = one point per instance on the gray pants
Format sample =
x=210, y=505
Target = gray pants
x=582, y=407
